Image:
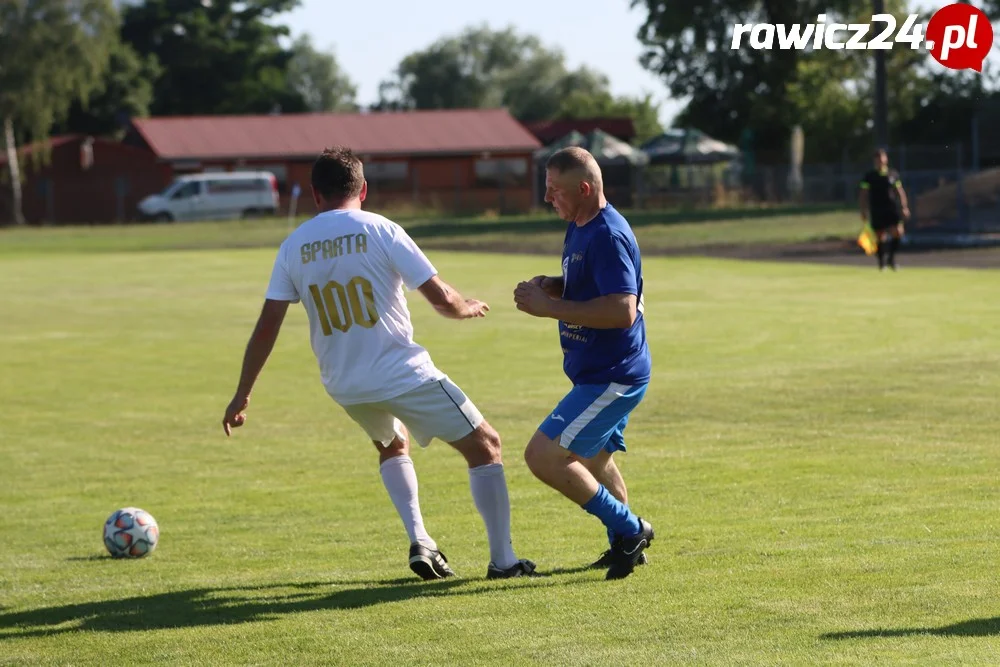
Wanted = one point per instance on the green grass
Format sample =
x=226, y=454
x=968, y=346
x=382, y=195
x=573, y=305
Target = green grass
x=817, y=452
x=657, y=231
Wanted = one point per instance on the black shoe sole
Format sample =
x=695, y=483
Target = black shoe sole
x=523, y=568
x=603, y=565
x=424, y=569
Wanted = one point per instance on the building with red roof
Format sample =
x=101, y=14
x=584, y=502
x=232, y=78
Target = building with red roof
x=463, y=160
x=74, y=178
x=458, y=161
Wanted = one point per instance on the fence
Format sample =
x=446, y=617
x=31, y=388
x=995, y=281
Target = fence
x=947, y=196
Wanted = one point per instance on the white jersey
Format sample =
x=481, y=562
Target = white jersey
x=348, y=267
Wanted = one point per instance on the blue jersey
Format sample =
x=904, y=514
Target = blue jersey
x=601, y=258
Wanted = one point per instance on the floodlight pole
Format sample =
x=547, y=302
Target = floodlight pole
x=881, y=100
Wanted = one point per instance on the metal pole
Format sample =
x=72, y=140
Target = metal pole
x=975, y=142
x=881, y=99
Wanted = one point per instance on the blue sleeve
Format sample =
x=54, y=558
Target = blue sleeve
x=614, y=266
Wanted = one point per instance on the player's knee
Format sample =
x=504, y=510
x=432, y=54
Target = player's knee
x=537, y=455
x=481, y=447
x=531, y=457
x=489, y=445
x=397, y=447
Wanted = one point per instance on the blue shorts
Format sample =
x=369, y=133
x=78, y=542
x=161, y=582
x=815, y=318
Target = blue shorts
x=593, y=417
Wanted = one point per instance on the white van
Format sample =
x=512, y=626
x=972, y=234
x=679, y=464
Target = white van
x=214, y=196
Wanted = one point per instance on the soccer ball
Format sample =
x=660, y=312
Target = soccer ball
x=131, y=533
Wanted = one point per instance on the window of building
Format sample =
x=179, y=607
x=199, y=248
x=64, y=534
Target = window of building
x=491, y=172
x=387, y=175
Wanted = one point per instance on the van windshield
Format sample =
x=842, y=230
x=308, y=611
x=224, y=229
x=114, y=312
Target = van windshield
x=169, y=190
x=182, y=189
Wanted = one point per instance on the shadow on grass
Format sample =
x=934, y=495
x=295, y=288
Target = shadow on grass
x=237, y=604
x=976, y=627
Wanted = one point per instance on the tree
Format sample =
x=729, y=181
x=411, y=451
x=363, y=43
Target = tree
x=830, y=93
x=688, y=45
x=126, y=92
x=945, y=114
x=52, y=53
x=645, y=113
x=482, y=68
x=318, y=79
x=538, y=88
x=222, y=56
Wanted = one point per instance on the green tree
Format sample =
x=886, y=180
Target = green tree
x=217, y=57
x=52, y=53
x=317, y=77
x=481, y=68
x=688, y=45
x=643, y=111
x=126, y=92
x=944, y=115
x=830, y=93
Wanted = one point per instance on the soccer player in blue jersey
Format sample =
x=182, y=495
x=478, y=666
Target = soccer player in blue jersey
x=598, y=302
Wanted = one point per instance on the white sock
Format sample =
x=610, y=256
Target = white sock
x=489, y=492
x=400, y=481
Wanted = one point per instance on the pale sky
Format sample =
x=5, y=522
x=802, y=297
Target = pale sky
x=370, y=37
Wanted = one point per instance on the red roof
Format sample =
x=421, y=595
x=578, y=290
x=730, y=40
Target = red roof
x=548, y=131
x=42, y=146
x=462, y=131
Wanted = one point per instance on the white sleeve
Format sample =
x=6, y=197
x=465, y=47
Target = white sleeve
x=281, y=287
x=409, y=260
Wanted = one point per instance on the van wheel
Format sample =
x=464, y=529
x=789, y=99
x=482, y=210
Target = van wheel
x=163, y=217
x=250, y=213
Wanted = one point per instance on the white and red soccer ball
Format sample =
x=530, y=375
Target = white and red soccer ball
x=131, y=533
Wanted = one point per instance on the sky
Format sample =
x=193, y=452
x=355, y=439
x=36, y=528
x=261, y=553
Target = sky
x=370, y=37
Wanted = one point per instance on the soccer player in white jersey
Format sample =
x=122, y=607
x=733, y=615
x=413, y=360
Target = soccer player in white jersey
x=348, y=267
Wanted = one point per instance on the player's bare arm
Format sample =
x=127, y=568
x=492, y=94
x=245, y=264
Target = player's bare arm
x=613, y=311
x=449, y=302
x=259, y=348
x=903, y=202
x=863, y=203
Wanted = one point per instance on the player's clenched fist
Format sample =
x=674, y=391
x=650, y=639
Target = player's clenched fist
x=531, y=298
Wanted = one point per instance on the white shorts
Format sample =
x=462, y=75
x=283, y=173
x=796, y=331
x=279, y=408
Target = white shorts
x=437, y=409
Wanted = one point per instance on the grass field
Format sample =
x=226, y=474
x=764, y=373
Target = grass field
x=817, y=453
x=658, y=231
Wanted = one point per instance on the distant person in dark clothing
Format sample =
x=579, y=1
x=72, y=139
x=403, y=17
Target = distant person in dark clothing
x=883, y=201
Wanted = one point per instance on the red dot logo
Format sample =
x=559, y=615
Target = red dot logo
x=959, y=37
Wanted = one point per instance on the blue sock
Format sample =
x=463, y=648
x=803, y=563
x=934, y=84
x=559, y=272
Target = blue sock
x=611, y=535
x=618, y=518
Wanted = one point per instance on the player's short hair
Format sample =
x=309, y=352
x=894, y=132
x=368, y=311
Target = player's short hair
x=879, y=152
x=338, y=174
x=574, y=158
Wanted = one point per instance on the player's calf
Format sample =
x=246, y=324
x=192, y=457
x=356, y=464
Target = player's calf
x=488, y=484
